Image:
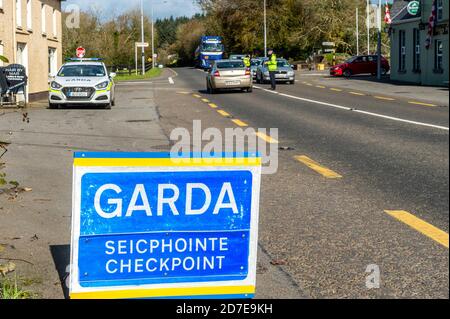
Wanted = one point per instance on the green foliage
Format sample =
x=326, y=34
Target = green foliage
x=3, y=59
x=9, y=289
x=148, y=75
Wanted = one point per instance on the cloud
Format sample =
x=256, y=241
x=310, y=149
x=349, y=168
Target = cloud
x=162, y=8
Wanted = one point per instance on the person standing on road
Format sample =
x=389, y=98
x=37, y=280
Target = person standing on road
x=272, y=65
x=247, y=61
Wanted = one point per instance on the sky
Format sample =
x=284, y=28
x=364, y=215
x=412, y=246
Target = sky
x=162, y=8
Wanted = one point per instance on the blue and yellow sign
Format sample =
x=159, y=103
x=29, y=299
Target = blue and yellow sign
x=149, y=225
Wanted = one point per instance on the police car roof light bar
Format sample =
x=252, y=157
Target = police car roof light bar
x=84, y=59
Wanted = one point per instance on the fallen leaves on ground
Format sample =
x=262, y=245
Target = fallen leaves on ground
x=7, y=268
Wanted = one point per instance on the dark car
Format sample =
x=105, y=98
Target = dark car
x=360, y=65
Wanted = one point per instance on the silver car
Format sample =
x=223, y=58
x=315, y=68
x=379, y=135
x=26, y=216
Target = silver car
x=229, y=74
x=285, y=72
x=255, y=63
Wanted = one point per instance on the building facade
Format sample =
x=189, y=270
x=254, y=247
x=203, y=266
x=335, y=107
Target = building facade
x=411, y=60
x=31, y=34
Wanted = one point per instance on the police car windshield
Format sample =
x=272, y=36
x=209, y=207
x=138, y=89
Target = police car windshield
x=212, y=47
x=230, y=65
x=82, y=70
x=255, y=62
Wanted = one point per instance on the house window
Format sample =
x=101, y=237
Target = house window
x=43, y=20
x=19, y=13
x=1, y=49
x=440, y=10
x=402, y=50
x=438, y=52
x=55, y=31
x=416, y=52
x=29, y=14
x=52, y=62
x=22, y=55
x=1, y=4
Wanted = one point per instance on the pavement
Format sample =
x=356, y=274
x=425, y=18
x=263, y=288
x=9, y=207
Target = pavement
x=362, y=182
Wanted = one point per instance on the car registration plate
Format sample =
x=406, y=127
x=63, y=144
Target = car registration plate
x=78, y=94
x=232, y=82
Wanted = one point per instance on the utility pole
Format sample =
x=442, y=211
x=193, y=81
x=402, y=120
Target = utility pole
x=379, y=42
x=153, y=38
x=265, y=29
x=142, y=36
x=368, y=26
x=357, y=31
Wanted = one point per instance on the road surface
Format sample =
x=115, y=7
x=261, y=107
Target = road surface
x=392, y=158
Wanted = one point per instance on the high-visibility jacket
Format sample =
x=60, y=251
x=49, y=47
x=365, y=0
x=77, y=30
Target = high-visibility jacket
x=247, y=62
x=272, y=63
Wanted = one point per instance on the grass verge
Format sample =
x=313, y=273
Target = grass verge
x=148, y=75
x=10, y=289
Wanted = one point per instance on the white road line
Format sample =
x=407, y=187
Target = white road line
x=171, y=80
x=357, y=111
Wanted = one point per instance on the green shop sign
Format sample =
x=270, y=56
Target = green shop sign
x=413, y=7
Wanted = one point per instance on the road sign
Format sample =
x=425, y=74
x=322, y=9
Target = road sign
x=328, y=44
x=413, y=7
x=81, y=52
x=142, y=44
x=146, y=225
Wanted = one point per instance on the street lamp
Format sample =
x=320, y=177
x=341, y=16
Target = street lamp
x=153, y=34
x=265, y=29
x=142, y=37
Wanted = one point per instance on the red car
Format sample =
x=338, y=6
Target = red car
x=360, y=65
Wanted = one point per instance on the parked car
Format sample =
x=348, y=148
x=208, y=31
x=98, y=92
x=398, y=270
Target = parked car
x=285, y=72
x=360, y=65
x=228, y=74
x=82, y=82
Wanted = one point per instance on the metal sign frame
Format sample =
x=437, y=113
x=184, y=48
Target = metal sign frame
x=129, y=163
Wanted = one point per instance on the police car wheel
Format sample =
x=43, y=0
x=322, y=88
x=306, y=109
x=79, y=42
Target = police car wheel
x=108, y=106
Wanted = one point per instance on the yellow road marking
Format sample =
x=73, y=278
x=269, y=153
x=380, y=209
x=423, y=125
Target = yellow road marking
x=266, y=138
x=196, y=95
x=337, y=90
x=357, y=93
x=384, y=98
x=205, y=100
x=214, y=106
x=421, y=103
x=320, y=86
x=183, y=92
x=239, y=123
x=420, y=225
x=223, y=113
x=326, y=172
x=309, y=84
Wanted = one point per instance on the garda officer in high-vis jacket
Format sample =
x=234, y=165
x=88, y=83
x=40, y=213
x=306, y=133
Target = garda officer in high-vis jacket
x=272, y=65
x=247, y=61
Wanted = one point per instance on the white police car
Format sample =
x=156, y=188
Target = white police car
x=82, y=82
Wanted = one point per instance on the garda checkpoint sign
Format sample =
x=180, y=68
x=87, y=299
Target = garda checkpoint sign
x=145, y=225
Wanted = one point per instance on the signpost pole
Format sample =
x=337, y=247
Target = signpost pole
x=368, y=26
x=136, y=57
x=357, y=31
x=379, y=42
